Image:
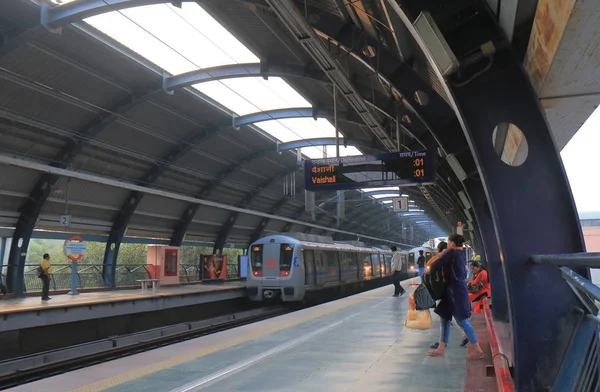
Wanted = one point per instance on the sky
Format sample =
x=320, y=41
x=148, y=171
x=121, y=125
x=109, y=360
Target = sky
x=581, y=158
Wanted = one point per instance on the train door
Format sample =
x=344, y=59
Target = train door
x=309, y=267
x=332, y=266
x=270, y=254
x=320, y=271
x=367, y=265
x=376, y=265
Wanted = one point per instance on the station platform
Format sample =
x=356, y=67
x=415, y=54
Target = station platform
x=358, y=343
x=31, y=326
x=31, y=312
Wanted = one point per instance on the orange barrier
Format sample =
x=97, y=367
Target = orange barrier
x=501, y=368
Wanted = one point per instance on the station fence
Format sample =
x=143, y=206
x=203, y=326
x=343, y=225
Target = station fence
x=90, y=276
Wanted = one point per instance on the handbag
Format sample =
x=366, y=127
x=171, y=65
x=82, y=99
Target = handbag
x=436, y=284
x=423, y=299
x=40, y=272
x=418, y=319
x=474, y=288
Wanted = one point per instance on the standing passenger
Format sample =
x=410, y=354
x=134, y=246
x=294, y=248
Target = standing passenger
x=46, y=270
x=456, y=299
x=397, y=269
x=421, y=264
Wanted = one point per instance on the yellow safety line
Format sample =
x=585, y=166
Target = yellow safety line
x=172, y=362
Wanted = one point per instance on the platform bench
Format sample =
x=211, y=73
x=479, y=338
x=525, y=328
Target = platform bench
x=144, y=283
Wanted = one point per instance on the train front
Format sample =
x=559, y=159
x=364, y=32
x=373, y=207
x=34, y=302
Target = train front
x=276, y=270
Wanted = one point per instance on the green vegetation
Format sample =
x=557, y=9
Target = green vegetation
x=129, y=254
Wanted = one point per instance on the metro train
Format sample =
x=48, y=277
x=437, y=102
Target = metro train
x=288, y=266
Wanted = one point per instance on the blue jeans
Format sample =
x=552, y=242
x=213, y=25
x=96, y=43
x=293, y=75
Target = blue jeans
x=465, y=325
x=421, y=272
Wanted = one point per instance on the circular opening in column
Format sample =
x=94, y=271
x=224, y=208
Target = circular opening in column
x=510, y=144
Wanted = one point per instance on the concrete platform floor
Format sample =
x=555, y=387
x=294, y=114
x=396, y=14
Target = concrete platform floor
x=358, y=343
x=15, y=305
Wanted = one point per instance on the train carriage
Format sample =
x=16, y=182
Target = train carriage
x=287, y=266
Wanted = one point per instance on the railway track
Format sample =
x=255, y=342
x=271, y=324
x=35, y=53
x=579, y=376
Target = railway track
x=30, y=368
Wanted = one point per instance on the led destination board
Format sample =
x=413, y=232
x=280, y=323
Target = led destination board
x=370, y=171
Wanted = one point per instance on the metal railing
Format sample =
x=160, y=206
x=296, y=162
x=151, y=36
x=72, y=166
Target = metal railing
x=89, y=276
x=580, y=369
x=504, y=379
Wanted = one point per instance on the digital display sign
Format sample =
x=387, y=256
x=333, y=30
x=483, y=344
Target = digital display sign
x=370, y=171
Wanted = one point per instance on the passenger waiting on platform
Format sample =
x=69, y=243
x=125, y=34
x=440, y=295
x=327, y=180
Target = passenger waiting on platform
x=456, y=300
x=44, y=271
x=479, y=288
x=421, y=264
x=397, y=270
x=442, y=246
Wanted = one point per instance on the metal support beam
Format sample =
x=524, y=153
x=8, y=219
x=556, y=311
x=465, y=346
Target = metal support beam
x=325, y=141
x=246, y=70
x=54, y=17
x=97, y=179
x=282, y=114
x=116, y=235
x=491, y=252
x=538, y=352
x=190, y=212
x=2, y=255
x=250, y=196
x=265, y=221
x=289, y=15
x=32, y=208
x=14, y=39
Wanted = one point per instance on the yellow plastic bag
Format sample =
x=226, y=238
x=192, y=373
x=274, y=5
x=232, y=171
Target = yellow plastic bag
x=418, y=319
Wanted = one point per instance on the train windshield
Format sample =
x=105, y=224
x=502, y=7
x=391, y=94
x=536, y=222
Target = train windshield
x=286, y=256
x=256, y=257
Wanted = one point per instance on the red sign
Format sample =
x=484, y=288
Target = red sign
x=270, y=264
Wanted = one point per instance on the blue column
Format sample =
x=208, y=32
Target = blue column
x=491, y=253
x=73, y=278
x=2, y=256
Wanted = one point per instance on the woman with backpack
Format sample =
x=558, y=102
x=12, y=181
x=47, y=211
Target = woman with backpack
x=455, y=302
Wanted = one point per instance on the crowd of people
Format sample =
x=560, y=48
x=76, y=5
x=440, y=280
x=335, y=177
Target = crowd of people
x=458, y=294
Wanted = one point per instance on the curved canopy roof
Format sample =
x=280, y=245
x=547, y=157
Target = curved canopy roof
x=166, y=122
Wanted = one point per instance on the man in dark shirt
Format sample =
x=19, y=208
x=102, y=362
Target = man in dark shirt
x=421, y=264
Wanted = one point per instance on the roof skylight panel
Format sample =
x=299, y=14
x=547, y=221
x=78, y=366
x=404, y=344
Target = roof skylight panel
x=384, y=196
x=215, y=32
x=182, y=40
x=120, y=28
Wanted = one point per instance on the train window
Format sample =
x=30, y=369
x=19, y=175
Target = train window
x=309, y=267
x=331, y=259
x=286, y=256
x=367, y=265
x=376, y=266
x=256, y=259
x=319, y=259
